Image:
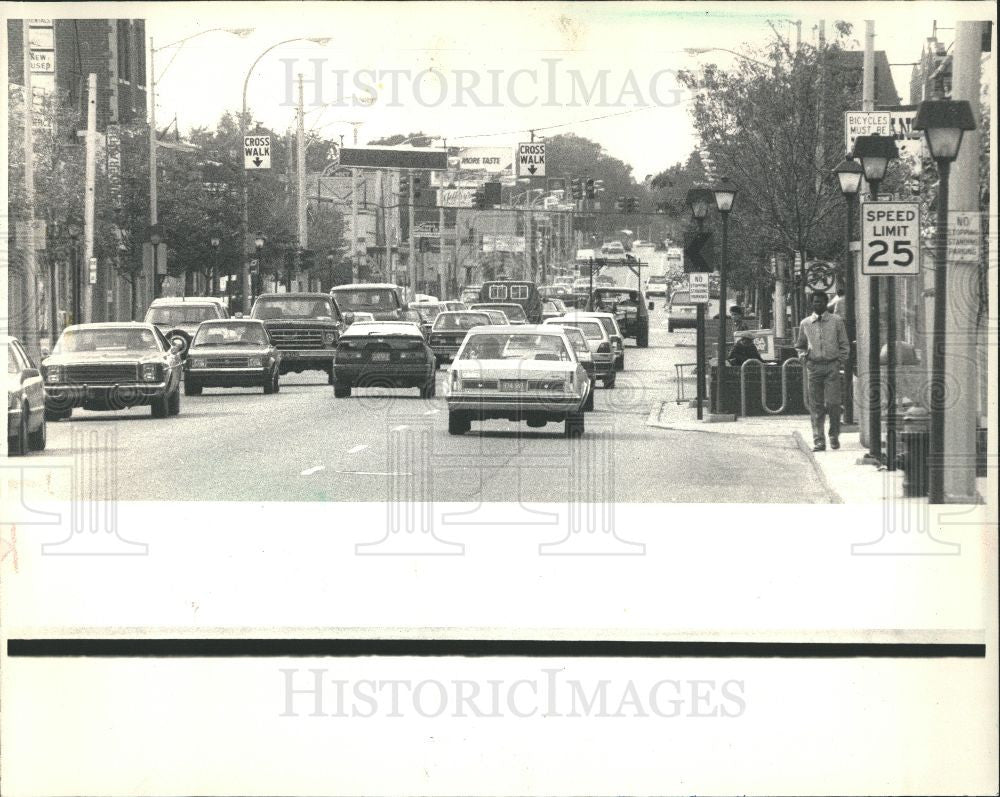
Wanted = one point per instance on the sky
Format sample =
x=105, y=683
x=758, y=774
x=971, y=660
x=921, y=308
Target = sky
x=442, y=49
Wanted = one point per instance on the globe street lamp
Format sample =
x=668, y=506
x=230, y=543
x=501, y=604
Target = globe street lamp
x=215, y=241
x=724, y=193
x=155, y=238
x=74, y=236
x=698, y=200
x=943, y=123
x=259, y=241
x=849, y=174
x=875, y=152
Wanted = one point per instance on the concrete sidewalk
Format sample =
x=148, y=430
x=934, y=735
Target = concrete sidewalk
x=844, y=478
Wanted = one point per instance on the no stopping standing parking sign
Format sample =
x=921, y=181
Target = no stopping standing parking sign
x=890, y=239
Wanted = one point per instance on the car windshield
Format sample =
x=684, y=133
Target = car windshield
x=300, y=307
x=181, y=314
x=608, y=298
x=11, y=362
x=577, y=339
x=514, y=312
x=591, y=329
x=461, y=320
x=513, y=346
x=609, y=325
x=106, y=339
x=427, y=312
x=372, y=300
x=230, y=335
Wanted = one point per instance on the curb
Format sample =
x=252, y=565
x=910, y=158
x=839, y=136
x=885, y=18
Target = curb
x=820, y=474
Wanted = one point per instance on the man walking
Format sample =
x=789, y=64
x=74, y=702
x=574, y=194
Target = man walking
x=823, y=344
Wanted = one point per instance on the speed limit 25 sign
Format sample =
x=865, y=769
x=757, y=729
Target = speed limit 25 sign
x=890, y=239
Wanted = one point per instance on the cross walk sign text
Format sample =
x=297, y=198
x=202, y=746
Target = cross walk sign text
x=531, y=159
x=257, y=152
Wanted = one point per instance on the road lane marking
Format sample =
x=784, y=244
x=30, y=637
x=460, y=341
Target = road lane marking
x=312, y=470
x=358, y=448
x=400, y=428
x=432, y=412
x=371, y=473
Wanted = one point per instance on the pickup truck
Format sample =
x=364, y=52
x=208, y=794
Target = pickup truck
x=305, y=327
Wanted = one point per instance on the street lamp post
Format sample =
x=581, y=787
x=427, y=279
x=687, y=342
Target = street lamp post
x=74, y=236
x=154, y=241
x=875, y=152
x=724, y=193
x=215, y=241
x=698, y=200
x=259, y=242
x=943, y=123
x=849, y=173
x=245, y=287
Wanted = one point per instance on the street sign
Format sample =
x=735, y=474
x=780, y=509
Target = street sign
x=820, y=276
x=256, y=152
x=964, y=239
x=421, y=158
x=865, y=123
x=890, y=239
x=484, y=159
x=694, y=257
x=698, y=287
x=531, y=159
x=455, y=197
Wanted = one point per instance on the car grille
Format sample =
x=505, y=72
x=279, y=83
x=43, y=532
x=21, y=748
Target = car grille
x=103, y=373
x=227, y=362
x=285, y=338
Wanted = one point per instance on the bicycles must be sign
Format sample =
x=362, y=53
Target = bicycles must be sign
x=890, y=239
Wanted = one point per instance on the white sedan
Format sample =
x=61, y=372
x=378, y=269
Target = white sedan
x=521, y=373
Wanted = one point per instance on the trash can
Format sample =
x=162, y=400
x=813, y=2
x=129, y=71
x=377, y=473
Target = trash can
x=914, y=443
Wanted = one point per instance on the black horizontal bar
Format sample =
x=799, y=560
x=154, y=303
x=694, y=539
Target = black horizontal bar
x=223, y=648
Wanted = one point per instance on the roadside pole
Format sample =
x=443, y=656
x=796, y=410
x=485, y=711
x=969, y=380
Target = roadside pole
x=29, y=332
x=411, y=265
x=354, y=223
x=868, y=404
x=88, y=197
x=300, y=157
x=961, y=320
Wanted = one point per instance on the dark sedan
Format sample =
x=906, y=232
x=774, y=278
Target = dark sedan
x=25, y=401
x=112, y=366
x=383, y=354
x=233, y=353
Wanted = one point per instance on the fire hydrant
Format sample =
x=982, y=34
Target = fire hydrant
x=915, y=443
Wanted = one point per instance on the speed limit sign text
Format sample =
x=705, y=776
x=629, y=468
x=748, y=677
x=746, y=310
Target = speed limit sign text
x=890, y=239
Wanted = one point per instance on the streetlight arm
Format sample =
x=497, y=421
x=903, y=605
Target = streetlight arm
x=246, y=80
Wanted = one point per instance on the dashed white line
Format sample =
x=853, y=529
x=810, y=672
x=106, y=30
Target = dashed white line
x=358, y=448
x=312, y=470
x=400, y=428
x=432, y=412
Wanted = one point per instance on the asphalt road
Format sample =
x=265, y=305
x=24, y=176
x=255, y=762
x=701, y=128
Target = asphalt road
x=304, y=445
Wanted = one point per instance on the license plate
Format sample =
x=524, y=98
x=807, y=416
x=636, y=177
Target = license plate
x=511, y=385
x=380, y=357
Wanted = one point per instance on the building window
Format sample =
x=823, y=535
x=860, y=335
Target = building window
x=124, y=51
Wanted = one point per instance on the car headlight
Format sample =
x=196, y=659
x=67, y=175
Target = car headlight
x=255, y=362
x=329, y=338
x=54, y=374
x=197, y=362
x=150, y=372
x=456, y=382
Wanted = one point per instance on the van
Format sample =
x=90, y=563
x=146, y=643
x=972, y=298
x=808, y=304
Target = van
x=520, y=292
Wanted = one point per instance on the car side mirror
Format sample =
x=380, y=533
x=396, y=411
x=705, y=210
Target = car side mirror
x=651, y=306
x=29, y=373
x=46, y=351
x=348, y=318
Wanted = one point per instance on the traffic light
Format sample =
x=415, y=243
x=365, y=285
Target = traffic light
x=620, y=204
x=479, y=200
x=416, y=189
x=577, y=188
x=492, y=191
x=591, y=190
x=404, y=190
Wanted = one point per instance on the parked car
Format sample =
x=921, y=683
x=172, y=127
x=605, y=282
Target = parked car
x=514, y=312
x=449, y=331
x=111, y=366
x=628, y=305
x=610, y=325
x=25, y=401
x=656, y=286
x=178, y=317
x=682, y=313
x=305, y=327
x=232, y=353
x=599, y=342
x=382, y=299
x=385, y=354
x=528, y=373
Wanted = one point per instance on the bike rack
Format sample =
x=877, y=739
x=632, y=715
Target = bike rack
x=763, y=386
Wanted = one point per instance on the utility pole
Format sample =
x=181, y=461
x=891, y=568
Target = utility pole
x=820, y=107
x=354, y=225
x=300, y=156
x=88, y=197
x=961, y=320
x=30, y=281
x=411, y=265
x=869, y=404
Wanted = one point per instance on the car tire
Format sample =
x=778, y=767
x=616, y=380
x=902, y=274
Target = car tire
x=19, y=444
x=429, y=390
x=58, y=415
x=458, y=423
x=575, y=425
x=329, y=377
x=642, y=341
x=620, y=363
x=37, y=439
x=588, y=404
x=609, y=381
x=277, y=382
x=160, y=407
x=174, y=402
x=192, y=387
x=271, y=384
x=341, y=390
